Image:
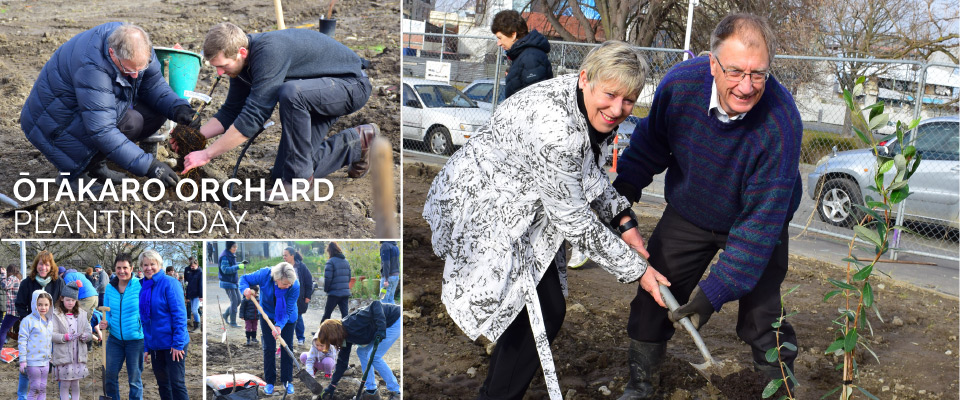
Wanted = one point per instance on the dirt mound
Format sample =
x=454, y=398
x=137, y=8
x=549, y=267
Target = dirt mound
x=916, y=342
x=31, y=32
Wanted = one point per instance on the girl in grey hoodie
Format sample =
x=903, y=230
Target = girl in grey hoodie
x=35, y=347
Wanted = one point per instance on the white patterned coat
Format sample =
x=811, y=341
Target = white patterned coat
x=502, y=205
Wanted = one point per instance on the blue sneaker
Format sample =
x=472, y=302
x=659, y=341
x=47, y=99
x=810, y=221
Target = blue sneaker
x=268, y=389
x=290, y=388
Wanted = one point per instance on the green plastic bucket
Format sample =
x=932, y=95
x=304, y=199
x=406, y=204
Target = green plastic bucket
x=181, y=68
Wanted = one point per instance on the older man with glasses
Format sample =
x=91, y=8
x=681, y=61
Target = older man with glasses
x=728, y=135
x=99, y=94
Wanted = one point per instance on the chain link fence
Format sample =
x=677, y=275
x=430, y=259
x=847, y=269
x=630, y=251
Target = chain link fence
x=835, y=164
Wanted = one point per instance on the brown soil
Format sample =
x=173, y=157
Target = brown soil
x=249, y=359
x=92, y=386
x=31, y=31
x=916, y=343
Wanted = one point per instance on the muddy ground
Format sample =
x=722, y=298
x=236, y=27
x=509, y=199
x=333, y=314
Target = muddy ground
x=250, y=359
x=916, y=344
x=31, y=31
x=92, y=386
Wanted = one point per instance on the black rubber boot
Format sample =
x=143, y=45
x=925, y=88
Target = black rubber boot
x=645, y=359
x=100, y=171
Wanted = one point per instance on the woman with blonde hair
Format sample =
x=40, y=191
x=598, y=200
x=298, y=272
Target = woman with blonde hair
x=503, y=204
x=279, y=290
x=164, y=318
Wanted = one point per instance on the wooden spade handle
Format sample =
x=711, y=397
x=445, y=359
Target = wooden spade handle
x=280, y=340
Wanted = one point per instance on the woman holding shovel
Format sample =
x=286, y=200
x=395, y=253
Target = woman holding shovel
x=279, y=290
x=503, y=204
x=164, y=318
x=374, y=329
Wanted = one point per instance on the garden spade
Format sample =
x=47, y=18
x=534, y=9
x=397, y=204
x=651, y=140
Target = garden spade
x=709, y=363
x=302, y=374
x=103, y=368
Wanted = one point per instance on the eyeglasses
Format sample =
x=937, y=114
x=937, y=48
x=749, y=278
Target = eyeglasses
x=133, y=71
x=735, y=75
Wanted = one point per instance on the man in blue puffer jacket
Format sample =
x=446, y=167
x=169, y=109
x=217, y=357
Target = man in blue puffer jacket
x=125, y=343
x=526, y=50
x=99, y=94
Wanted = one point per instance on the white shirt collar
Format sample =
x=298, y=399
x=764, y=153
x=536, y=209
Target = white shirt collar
x=715, y=105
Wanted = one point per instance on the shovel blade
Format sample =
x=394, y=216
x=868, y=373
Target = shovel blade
x=310, y=381
x=223, y=337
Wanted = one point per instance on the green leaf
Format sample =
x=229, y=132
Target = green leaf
x=836, y=389
x=866, y=393
x=789, y=346
x=857, y=90
x=869, y=211
x=868, y=234
x=886, y=166
x=900, y=194
x=836, y=345
x=850, y=341
x=913, y=124
x=871, y=351
x=790, y=291
x=861, y=79
x=900, y=161
x=909, y=151
x=877, y=204
x=841, y=284
x=867, y=294
x=855, y=261
x=772, y=355
x=897, y=185
x=878, y=121
x=772, y=388
x=904, y=229
x=875, y=109
x=916, y=164
x=848, y=99
x=863, y=274
x=863, y=137
x=830, y=294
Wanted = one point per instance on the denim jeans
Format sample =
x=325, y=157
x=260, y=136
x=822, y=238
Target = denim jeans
x=270, y=350
x=195, y=308
x=308, y=108
x=388, y=298
x=231, y=315
x=170, y=375
x=300, y=328
x=119, y=351
x=363, y=352
x=23, y=385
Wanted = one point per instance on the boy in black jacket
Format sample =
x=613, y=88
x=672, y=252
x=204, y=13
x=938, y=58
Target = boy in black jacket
x=250, y=316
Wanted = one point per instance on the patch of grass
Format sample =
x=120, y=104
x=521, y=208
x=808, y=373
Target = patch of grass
x=376, y=48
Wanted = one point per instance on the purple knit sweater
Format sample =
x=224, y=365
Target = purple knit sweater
x=740, y=177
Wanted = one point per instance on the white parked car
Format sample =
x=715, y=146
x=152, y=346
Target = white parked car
x=841, y=179
x=439, y=114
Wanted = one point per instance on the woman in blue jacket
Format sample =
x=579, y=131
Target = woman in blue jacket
x=336, y=281
x=279, y=290
x=164, y=318
x=228, y=281
x=125, y=343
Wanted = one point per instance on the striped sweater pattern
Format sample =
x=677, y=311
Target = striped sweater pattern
x=739, y=178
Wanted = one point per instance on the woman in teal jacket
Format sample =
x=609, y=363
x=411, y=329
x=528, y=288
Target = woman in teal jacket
x=279, y=290
x=125, y=343
x=164, y=317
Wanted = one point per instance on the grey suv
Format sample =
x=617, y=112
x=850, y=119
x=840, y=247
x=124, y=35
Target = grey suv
x=841, y=179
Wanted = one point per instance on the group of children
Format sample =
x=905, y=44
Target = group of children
x=320, y=358
x=55, y=338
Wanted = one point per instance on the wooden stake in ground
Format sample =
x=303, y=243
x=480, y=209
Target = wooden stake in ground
x=279, y=8
x=384, y=196
x=103, y=371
